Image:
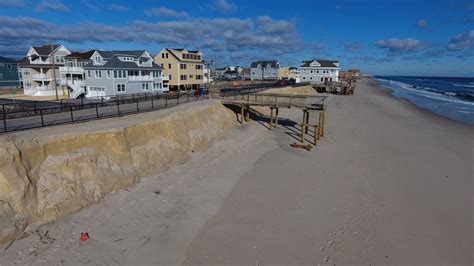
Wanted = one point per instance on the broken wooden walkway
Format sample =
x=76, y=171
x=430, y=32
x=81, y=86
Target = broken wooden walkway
x=308, y=103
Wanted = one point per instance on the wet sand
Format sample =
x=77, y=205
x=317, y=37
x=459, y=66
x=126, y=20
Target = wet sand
x=390, y=183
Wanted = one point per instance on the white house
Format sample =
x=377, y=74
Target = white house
x=40, y=70
x=318, y=71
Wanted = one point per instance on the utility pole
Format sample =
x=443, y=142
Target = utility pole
x=54, y=72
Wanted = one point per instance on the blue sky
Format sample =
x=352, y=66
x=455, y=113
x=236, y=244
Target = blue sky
x=434, y=38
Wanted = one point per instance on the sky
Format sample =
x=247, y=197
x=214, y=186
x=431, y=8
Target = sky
x=426, y=38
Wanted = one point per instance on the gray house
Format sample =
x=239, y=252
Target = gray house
x=122, y=72
x=264, y=70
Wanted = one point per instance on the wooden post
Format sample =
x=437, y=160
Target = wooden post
x=4, y=118
x=241, y=113
x=315, y=135
x=303, y=126
x=248, y=112
x=323, y=123
x=276, y=116
x=138, y=109
x=306, y=123
x=118, y=106
x=320, y=124
x=72, y=116
x=96, y=110
x=42, y=120
x=271, y=118
x=152, y=103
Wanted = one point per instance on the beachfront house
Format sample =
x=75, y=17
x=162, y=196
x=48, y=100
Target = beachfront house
x=112, y=73
x=72, y=75
x=264, y=70
x=318, y=71
x=185, y=69
x=40, y=70
x=9, y=75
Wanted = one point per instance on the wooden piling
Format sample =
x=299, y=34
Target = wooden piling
x=271, y=118
x=276, y=117
x=303, y=126
x=248, y=113
x=323, y=123
x=315, y=141
x=306, y=122
x=241, y=113
x=319, y=125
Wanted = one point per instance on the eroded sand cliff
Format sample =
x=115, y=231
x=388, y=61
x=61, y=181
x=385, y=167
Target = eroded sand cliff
x=49, y=173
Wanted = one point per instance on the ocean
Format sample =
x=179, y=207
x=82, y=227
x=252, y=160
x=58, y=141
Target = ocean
x=449, y=97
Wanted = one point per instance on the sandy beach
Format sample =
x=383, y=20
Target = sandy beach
x=389, y=183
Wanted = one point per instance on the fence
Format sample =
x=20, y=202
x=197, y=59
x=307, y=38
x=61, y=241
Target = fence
x=28, y=115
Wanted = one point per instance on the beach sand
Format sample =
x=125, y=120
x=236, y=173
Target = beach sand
x=388, y=184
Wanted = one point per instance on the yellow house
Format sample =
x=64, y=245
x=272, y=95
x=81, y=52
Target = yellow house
x=288, y=73
x=184, y=68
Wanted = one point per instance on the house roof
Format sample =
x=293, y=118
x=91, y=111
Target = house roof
x=110, y=54
x=323, y=63
x=79, y=55
x=273, y=64
x=115, y=63
x=47, y=49
x=231, y=72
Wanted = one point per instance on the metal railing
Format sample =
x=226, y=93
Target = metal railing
x=35, y=114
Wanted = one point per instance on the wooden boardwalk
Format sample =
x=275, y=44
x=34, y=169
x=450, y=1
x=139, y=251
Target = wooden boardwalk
x=310, y=104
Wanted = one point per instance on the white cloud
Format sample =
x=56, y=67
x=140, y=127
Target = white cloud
x=258, y=36
x=396, y=46
x=12, y=3
x=422, y=24
x=462, y=41
x=117, y=8
x=353, y=47
x=225, y=6
x=165, y=12
x=46, y=5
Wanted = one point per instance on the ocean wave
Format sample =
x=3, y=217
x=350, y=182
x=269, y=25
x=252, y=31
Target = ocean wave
x=460, y=98
x=470, y=85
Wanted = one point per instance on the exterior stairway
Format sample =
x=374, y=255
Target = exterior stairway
x=76, y=89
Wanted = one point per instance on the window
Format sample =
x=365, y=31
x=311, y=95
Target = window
x=145, y=86
x=9, y=66
x=321, y=79
x=170, y=77
x=166, y=55
x=88, y=73
x=198, y=77
x=190, y=76
x=169, y=66
x=163, y=55
x=182, y=66
x=115, y=74
x=108, y=74
x=120, y=74
x=304, y=77
x=120, y=87
x=97, y=59
x=198, y=67
x=317, y=71
x=98, y=74
x=183, y=77
x=124, y=72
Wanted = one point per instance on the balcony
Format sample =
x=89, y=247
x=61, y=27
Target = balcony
x=42, y=77
x=71, y=70
x=140, y=78
x=68, y=82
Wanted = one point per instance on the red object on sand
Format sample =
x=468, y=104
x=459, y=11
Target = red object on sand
x=84, y=236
